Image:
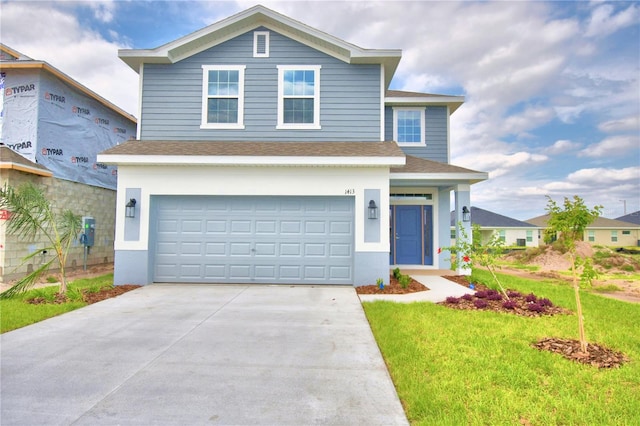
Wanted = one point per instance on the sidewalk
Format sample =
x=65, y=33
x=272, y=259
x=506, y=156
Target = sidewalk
x=439, y=289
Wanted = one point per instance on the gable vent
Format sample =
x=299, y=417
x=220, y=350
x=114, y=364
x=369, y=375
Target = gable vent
x=261, y=44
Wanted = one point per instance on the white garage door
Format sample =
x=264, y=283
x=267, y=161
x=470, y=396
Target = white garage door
x=284, y=240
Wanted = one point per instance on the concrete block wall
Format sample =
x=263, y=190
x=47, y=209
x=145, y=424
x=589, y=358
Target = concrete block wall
x=82, y=199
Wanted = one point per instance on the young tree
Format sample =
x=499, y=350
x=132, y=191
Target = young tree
x=568, y=224
x=470, y=252
x=31, y=214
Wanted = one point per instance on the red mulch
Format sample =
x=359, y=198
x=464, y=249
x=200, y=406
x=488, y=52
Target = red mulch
x=392, y=287
x=89, y=298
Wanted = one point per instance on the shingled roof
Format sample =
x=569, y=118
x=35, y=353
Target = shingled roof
x=203, y=152
x=488, y=219
x=9, y=159
x=630, y=218
x=421, y=165
x=601, y=222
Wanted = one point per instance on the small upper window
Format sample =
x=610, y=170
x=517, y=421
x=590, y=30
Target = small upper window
x=261, y=44
x=614, y=236
x=408, y=126
x=298, y=97
x=223, y=97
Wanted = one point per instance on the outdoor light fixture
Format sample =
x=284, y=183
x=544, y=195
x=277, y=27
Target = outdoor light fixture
x=130, y=208
x=373, y=210
x=466, y=214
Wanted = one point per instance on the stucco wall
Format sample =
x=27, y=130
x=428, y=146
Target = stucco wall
x=83, y=200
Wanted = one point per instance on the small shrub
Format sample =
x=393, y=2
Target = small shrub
x=481, y=294
x=530, y=298
x=628, y=268
x=51, y=279
x=397, y=274
x=480, y=303
x=380, y=283
x=467, y=296
x=510, y=304
x=535, y=307
x=404, y=280
x=43, y=294
x=514, y=294
x=74, y=294
x=545, y=302
x=493, y=295
x=452, y=300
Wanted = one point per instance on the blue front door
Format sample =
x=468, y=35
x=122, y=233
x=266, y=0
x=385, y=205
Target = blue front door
x=408, y=238
x=411, y=235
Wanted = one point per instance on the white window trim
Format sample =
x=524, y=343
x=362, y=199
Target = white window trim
x=257, y=34
x=422, y=125
x=205, y=96
x=316, y=98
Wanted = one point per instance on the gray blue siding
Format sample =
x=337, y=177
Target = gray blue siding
x=435, y=134
x=349, y=95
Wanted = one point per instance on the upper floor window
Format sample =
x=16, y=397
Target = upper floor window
x=298, y=97
x=408, y=126
x=223, y=97
x=261, y=44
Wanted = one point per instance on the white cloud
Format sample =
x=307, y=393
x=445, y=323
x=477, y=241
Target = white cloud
x=604, y=21
x=55, y=35
x=631, y=123
x=103, y=10
x=561, y=146
x=604, y=177
x=612, y=146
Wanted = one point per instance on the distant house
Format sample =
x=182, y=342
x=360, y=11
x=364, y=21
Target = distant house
x=512, y=232
x=51, y=130
x=603, y=231
x=631, y=218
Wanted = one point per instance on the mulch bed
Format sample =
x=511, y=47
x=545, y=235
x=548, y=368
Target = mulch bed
x=392, y=287
x=89, y=298
x=597, y=356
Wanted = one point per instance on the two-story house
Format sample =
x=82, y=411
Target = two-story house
x=271, y=152
x=51, y=129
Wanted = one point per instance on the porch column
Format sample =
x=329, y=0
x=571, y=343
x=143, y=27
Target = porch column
x=462, y=199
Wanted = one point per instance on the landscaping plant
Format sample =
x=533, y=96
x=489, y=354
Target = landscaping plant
x=472, y=251
x=31, y=215
x=567, y=224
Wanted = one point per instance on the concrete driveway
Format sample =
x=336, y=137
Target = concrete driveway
x=201, y=354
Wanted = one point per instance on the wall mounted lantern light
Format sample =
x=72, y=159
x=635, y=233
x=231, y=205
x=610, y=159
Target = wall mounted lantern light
x=466, y=214
x=130, y=208
x=373, y=210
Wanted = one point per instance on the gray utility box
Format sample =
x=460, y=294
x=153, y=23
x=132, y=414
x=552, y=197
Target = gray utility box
x=88, y=235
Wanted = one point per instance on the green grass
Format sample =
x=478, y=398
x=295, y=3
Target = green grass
x=454, y=367
x=16, y=313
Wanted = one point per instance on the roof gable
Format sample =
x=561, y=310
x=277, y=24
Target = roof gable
x=250, y=19
x=631, y=218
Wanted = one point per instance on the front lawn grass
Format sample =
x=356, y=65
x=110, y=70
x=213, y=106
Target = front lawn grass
x=16, y=313
x=453, y=367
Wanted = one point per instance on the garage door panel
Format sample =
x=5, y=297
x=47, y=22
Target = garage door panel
x=225, y=239
x=215, y=249
x=291, y=227
x=216, y=226
x=240, y=249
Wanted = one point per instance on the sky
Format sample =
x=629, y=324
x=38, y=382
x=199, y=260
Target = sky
x=552, y=92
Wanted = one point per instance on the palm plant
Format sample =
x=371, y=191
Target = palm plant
x=31, y=214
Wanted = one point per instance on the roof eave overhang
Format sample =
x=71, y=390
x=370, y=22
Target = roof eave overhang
x=26, y=169
x=229, y=160
x=439, y=179
x=453, y=102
